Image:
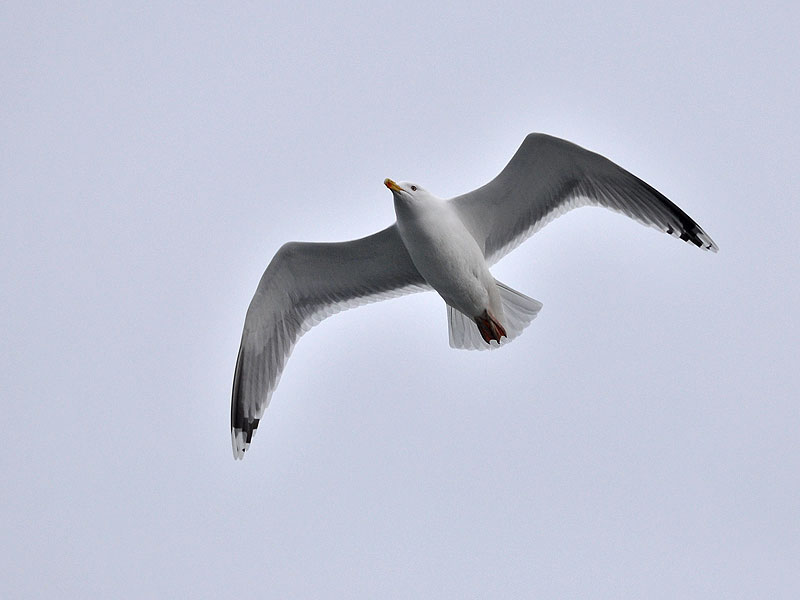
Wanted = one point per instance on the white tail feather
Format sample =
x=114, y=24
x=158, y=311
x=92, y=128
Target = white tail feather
x=518, y=311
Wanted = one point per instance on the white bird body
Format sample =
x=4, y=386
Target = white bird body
x=447, y=245
x=444, y=251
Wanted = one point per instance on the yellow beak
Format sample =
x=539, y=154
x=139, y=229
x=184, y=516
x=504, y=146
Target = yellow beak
x=392, y=185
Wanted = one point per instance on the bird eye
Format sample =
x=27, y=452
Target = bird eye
x=413, y=188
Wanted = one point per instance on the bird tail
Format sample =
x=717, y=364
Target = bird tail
x=468, y=334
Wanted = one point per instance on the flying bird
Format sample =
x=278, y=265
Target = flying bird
x=444, y=245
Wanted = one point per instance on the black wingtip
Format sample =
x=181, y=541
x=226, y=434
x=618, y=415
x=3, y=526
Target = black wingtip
x=687, y=228
x=241, y=436
x=693, y=234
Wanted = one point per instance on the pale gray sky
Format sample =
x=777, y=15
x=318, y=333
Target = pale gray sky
x=641, y=439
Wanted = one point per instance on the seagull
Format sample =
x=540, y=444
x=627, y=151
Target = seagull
x=444, y=245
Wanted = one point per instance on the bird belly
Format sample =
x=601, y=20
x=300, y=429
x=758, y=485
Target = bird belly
x=449, y=259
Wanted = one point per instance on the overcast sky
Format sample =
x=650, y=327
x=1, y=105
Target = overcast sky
x=640, y=440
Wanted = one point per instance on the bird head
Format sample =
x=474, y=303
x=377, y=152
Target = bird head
x=406, y=190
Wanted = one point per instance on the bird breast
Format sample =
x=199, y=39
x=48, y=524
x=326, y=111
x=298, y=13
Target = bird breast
x=447, y=256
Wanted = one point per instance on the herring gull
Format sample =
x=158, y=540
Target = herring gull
x=445, y=245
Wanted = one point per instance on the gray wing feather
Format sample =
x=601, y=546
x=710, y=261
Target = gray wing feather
x=303, y=284
x=549, y=176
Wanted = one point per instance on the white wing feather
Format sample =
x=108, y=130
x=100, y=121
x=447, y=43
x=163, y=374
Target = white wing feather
x=549, y=176
x=303, y=284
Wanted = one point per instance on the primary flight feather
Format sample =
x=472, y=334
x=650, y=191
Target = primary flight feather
x=445, y=245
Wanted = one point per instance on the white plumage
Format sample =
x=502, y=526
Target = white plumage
x=447, y=245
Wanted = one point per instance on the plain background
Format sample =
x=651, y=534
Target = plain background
x=640, y=440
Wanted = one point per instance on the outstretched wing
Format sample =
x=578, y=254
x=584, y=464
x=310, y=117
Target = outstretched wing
x=549, y=176
x=305, y=283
